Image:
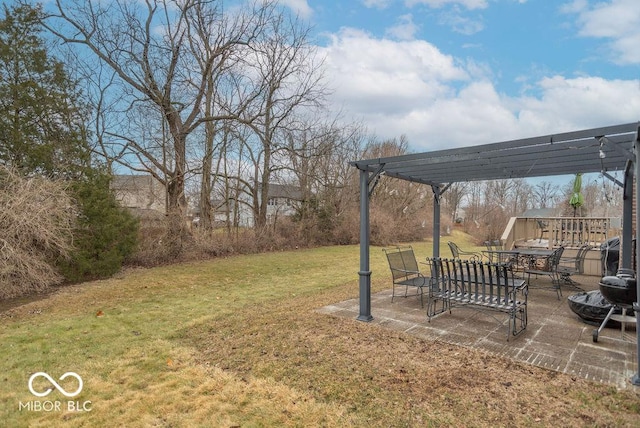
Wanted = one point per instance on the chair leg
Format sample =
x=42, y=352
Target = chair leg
x=556, y=279
x=567, y=280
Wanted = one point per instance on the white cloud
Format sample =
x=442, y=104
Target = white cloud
x=474, y=115
x=461, y=24
x=576, y=6
x=412, y=88
x=616, y=20
x=405, y=29
x=378, y=4
x=582, y=102
x=299, y=7
x=381, y=76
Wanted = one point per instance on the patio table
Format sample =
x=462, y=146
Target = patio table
x=501, y=256
x=520, y=258
x=531, y=257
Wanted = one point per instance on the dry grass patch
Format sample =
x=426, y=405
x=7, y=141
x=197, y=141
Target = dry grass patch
x=392, y=379
x=238, y=342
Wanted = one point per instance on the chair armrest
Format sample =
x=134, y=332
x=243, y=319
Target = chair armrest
x=408, y=272
x=567, y=261
x=476, y=257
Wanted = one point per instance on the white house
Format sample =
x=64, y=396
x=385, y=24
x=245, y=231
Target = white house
x=282, y=202
x=139, y=192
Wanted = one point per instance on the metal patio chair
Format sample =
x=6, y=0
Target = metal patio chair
x=493, y=246
x=544, y=228
x=405, y=271
x=573, y=265
x=457, y=252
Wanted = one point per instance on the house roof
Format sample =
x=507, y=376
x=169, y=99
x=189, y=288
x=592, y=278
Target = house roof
x=131, y=182
x=285, y=191
x=592, y=150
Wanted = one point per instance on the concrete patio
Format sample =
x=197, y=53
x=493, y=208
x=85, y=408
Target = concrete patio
x=555, y=338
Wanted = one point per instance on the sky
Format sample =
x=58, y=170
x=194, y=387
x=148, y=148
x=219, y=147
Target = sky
x=451, y=73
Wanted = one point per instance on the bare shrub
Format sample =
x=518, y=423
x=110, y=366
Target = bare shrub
x=290, y=234
x=205, y=244
x=153, y=233
x=36, y=223
x=221, y=243
x=287, y=233
x=382, y=228
x=387, y=228
x=199, y=244
x=346, y=229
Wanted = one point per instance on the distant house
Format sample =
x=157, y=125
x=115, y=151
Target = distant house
x=141, y=192
x=220, y=210
x=282, y=202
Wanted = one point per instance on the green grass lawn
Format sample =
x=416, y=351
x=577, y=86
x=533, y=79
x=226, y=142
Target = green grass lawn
x=237, y=342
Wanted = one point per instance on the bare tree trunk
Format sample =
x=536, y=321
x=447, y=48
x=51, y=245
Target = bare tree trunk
x=263, y=190
x=206, y=208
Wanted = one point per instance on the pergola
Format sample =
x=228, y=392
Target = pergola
x=598, y=150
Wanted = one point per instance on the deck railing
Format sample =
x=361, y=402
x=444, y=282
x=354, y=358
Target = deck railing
x=570, y=232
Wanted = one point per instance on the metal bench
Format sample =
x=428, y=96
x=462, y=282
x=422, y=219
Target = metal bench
x=483, y=285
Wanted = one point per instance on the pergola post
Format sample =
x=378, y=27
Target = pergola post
x=636, y=305
x=627, y=218
x=436, y=221
x=365, y=272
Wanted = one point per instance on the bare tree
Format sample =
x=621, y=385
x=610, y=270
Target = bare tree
x=210, y=37
x=474, y=202
x=317, y=159
x=495, y=210
x=603, y=198
x=498, y=192
x=521, y=198
x=281, y=75
x=452, y=199
x=151, y=47
x=545, y=193
x=399, y=204
x=337, y=187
